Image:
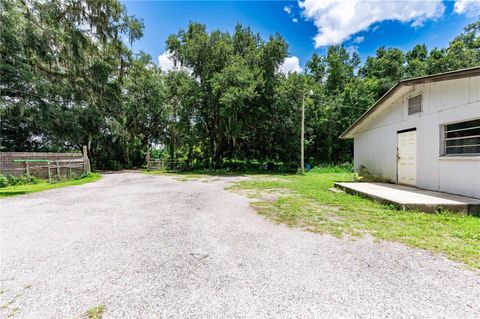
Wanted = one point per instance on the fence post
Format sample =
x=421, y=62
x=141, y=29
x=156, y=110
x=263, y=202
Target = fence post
x=27, y=169
x=70, y=168
x=49, y=173
x=58, y=170
x=86, y=161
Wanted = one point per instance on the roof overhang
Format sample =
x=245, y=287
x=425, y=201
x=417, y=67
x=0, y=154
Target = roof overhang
x=397, y=88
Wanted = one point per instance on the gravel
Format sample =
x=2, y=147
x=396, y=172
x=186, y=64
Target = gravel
x=149, y=246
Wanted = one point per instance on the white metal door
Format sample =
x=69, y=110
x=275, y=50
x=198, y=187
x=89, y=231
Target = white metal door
x=407, y=158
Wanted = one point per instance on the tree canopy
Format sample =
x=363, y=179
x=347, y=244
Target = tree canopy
x=68, y=78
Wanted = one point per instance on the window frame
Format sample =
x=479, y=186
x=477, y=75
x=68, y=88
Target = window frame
x=444, y=139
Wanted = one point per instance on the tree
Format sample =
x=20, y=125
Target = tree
x=144, y=118
x=417, y=61
x=68, y=78
x=236, y=75
x=340, y=66
x=387, y=67
x=62, y=64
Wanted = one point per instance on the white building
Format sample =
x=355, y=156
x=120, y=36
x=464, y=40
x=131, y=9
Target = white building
x=424, y=132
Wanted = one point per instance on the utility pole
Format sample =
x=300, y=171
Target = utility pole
x=302, y=138
x=173, y=122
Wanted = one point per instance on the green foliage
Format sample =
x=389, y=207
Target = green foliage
x=3, y=181
x=233, y=114
x=95, y=312
x=69, y=80
x=41, y=185
x=341, y=95
x=62, y=68
x=341, y=168
x=22, y=180
x=11, y=180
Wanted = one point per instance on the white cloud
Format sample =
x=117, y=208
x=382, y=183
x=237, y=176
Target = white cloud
x=287, y=9
x=295, y=20
x=290, y=64
x=359, y=39
x=352, y=48
x=165, y=61
x=338, y=20
x=469, y=7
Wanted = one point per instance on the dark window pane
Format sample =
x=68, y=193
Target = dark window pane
x=462, y=125
x=463, y=138
x=464, y=141
x=463, y=150
x=464, y=133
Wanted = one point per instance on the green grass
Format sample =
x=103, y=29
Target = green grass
x=95, y=312
x=304, y=201
x=44, y=185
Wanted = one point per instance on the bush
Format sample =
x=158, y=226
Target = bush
x=22, y=180
x=33, y=180
x=83, y=175
x=3, y=181
x=13, y=180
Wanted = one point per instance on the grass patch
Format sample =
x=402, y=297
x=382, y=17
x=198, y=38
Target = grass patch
x=307, y=203
x=95, y=312
x=44, y=185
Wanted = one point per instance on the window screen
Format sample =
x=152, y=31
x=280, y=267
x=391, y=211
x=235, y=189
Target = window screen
x=415, y=105
x=462, y=138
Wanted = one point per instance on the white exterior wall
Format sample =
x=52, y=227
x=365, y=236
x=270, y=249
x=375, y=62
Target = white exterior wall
x=375, y=142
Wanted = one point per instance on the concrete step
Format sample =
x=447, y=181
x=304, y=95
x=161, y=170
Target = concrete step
x=406, y=197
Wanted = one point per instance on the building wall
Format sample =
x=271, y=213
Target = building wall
x=375, y=143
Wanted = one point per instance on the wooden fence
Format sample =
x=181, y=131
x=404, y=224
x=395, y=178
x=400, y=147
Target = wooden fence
x=43, y=165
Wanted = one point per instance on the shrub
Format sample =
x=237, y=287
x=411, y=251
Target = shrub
x=83, y=175
x=13, y=180
x=22, y=180
x=347, y=165
x=33, y=180
x=3, y=181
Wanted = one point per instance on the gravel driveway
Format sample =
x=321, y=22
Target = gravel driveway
x=152, y=247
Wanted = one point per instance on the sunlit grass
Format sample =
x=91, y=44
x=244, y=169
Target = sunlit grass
x=44, y=185
x=307, y=203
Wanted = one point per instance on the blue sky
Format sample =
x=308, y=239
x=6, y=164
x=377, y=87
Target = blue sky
x=310, y=25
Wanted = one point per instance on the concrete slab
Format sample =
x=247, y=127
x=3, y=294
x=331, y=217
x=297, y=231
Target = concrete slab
x=336, y=190
x=405, y=197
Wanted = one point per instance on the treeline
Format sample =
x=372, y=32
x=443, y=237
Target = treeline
x=68, y=78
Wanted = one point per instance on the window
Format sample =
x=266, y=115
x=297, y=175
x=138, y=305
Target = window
x=462, y=138
x=415, y=105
